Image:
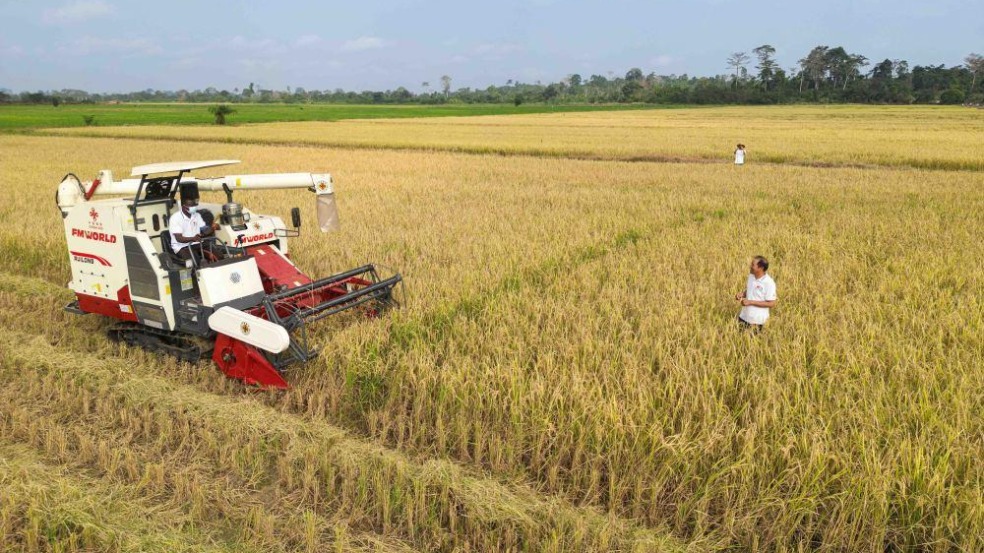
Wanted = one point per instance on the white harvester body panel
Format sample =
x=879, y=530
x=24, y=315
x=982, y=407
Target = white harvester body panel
x=95, y=246
x=115, y=270
x=228, y=283
x=148, y=282
x=254, y=331
x=260, y=229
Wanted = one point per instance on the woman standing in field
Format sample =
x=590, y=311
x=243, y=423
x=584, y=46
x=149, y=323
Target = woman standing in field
x=740, y=155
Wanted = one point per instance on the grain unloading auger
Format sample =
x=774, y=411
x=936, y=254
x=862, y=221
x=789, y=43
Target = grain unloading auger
x=240, y=299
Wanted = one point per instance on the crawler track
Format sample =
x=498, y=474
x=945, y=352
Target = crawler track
x=160, y=341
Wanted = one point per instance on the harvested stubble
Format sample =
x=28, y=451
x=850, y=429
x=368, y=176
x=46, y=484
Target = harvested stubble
x=569, y=324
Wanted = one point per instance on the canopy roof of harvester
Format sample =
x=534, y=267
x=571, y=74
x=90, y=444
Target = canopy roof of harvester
x=174, y=166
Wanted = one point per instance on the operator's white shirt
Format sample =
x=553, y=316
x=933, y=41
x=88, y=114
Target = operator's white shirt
x=758, y=289
x=185, y=226
x=739, y=157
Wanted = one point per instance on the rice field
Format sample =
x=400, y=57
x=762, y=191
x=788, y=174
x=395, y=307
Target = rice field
x=565, y=373
x=910, y=136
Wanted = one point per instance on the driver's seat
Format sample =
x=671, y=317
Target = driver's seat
x=172, y=260
x=165, y=237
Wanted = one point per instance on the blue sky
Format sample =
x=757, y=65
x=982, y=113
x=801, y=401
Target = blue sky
x=112, y=45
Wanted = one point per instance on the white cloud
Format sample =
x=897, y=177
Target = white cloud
x=307, y=40
x=186, y=63
x=497, y=49
x=662, y=60
x=87, y=45
x=236, y=43
x=77, y=11
x=253, y=64
x=261, y=46
x=363, y=43
x=11, y=51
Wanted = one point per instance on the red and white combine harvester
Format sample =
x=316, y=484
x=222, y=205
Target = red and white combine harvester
x=240, y=299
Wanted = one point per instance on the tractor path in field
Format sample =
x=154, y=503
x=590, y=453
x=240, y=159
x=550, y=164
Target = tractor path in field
x=83, y=394
x=935, y=165
x=77, y=481
x=49, y=500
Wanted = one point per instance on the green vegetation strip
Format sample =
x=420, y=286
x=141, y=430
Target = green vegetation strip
x=14, y=117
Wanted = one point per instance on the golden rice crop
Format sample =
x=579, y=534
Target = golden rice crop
x=908, y=136
x=566, y=347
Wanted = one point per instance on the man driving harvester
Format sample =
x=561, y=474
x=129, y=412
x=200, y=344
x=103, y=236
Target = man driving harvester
x=187, y=226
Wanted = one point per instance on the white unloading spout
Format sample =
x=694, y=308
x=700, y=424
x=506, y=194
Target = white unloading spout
x=69, y=193
x=264, y=181
x=71, y=190
x=320, y=183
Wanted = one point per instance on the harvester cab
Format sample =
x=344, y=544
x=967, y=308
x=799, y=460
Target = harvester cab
x=238, y=297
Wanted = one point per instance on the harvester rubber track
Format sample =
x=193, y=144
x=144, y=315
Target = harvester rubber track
x=176, y=345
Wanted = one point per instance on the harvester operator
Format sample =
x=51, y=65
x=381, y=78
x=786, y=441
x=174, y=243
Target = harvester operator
x=187, y=227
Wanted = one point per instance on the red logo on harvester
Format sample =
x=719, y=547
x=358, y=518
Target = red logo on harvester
x=92, y=235
x=90, y=259
x=94, y=219
x=257, y=238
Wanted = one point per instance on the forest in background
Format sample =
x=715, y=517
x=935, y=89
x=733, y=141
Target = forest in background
x=824, y=75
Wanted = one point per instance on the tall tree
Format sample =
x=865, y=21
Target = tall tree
x=814, y=65
x=882, y=70
x=854, y=64
x=838, y=64
x=901, y=69
x=634, y=74
x=446, y=85
x=220, y=111
x=551, y=92
x=766, y=64
x=738, y=61
x=975, y=63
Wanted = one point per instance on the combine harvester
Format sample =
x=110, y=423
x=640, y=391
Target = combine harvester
x=243, y=301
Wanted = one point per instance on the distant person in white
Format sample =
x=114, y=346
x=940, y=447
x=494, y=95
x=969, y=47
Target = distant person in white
x=187, y=226
x=759, y=295
x=740, y=155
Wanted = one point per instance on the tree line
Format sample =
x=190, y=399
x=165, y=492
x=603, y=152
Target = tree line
x=824, y=75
